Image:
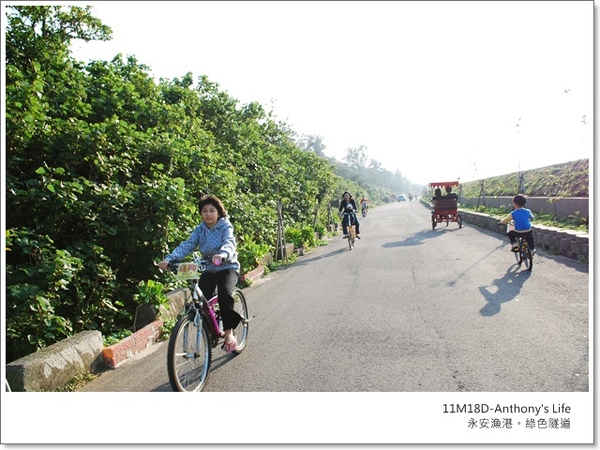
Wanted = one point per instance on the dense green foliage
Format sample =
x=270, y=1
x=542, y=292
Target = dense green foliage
x=105, y=167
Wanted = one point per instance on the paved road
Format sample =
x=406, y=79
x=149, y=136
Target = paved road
x=410, y=309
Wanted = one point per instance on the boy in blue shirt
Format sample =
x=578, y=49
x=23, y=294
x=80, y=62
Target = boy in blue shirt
x=522, y=218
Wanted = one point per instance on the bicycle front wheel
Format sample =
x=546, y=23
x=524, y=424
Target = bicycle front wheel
x=241, y=331
x=189, y=355
x=519, y=256
x=351, y=236
x=528, y=258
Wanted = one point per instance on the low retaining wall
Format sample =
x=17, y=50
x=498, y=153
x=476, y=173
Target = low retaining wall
x=572, y=244
x=55, y=366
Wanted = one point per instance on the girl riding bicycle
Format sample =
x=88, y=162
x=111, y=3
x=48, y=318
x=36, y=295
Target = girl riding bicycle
x=522, y=218
x=215, y=240
x=349, y=205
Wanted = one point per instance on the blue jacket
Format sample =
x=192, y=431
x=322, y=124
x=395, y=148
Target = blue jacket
x=210, y=241
x=522, y=218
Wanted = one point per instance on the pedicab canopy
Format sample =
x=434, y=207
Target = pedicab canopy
x=442, y=184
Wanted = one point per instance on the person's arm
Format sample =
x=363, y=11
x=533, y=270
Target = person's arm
x=228, y=247
x=506, y=219
x=186, y=247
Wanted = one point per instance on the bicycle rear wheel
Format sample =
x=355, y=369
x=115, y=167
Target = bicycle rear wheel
x=241, y=331
x=189, y=355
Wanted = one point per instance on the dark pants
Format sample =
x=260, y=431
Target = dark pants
x=512, y=235
x=345, y=223
x=225, y=280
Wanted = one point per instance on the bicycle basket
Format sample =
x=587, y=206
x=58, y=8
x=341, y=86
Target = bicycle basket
x=187, y=271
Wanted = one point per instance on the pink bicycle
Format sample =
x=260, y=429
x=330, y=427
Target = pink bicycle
x=198, y=330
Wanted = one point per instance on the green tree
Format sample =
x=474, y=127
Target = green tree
x=105, y=168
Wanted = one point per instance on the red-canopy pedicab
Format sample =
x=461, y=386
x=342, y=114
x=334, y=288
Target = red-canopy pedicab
x=444, y=209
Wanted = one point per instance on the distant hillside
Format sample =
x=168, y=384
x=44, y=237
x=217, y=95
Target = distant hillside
x=570, y=179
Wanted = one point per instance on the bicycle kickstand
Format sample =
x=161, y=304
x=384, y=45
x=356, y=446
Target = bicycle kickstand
x=248, y=320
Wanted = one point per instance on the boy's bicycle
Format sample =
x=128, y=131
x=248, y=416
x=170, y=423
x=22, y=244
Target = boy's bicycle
x=198, y=330
x=523, y=252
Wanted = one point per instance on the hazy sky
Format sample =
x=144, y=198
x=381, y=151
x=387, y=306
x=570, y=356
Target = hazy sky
x=436, y=90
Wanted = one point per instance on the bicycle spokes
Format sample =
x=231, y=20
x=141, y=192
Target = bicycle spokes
x=189, y=355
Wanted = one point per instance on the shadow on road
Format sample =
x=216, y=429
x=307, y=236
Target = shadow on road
x=415, y=239
x=308, y=259
x=166, y=387
x=506, y=289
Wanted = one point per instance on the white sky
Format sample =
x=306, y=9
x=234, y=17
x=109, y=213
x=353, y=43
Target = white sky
x=432, y=89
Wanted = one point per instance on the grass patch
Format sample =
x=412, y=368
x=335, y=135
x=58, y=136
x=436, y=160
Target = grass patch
x=78, y=381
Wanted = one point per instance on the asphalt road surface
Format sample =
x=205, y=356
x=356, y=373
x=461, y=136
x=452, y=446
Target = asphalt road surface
x=410, y=309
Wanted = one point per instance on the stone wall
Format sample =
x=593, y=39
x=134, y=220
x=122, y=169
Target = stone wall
x=557, y=241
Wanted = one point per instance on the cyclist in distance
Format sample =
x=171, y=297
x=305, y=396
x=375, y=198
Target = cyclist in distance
x=364, y=204
x=346, y=205
x=215, y=240
x=522, y=218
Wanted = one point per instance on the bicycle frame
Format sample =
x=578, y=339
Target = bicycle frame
x=208, y=307
x=191, y=272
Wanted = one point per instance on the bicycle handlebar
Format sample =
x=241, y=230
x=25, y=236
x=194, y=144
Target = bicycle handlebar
x=174, y=265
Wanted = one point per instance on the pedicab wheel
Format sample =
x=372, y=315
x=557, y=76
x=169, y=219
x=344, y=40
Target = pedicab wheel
x=433, y=223
x=459, y=221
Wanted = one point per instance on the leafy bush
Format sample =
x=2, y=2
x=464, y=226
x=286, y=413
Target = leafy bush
x=151, y=292
x=116, y=337
x=303, y=237
x=54, y=293
x=251, y=254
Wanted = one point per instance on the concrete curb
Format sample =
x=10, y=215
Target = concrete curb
x=54, y=367
x=116, y=354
